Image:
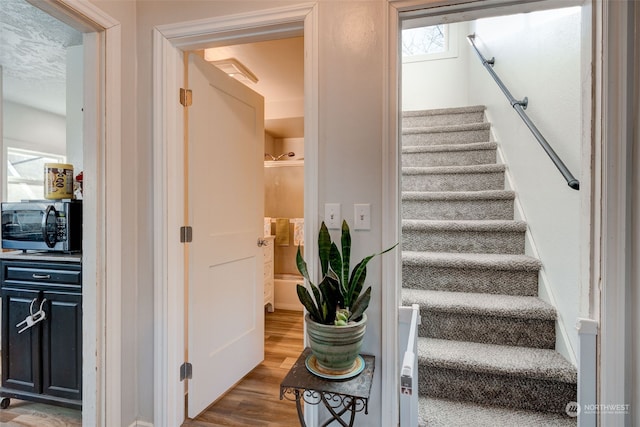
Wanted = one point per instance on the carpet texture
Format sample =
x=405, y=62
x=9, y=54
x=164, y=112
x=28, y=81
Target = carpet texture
x=486, y=342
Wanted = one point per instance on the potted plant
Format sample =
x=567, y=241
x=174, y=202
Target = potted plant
x=336, y=319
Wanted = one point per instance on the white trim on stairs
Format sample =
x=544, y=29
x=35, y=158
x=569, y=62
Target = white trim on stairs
x=587, y=371
x=545, y=292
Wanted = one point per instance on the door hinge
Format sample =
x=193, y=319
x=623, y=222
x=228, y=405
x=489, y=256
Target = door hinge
x=185, y=97
x=186, y=371
x=186, y=234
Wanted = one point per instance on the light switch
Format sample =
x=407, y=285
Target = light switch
x=362, y=216
x=332, y=215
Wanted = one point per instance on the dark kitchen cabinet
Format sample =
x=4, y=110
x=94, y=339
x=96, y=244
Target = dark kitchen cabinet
x=42, y=363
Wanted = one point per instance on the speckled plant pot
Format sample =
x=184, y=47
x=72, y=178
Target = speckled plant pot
x=336, y=347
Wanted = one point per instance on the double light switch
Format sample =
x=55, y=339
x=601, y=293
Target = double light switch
x=361, y=216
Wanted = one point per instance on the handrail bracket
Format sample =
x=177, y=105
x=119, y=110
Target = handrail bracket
x=523, y=103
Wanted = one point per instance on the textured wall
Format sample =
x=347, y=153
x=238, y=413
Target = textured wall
x=539, y=55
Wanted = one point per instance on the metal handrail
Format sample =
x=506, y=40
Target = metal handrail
x=520, y=106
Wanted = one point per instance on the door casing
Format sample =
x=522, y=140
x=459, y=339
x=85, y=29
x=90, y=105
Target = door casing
x=169, y=172
x=101, y=157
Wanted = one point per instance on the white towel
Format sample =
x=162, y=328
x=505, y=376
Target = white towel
x=267, y=226
x=298, y=232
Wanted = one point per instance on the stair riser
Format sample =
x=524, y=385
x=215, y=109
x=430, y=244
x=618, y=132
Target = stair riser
x=495, y=389
x=457, y=209
x=453, y=182
x=487, y=329
x=442, y=119
x=440, y=138
x=449, y=158
x=463, y=241
x=452, y=279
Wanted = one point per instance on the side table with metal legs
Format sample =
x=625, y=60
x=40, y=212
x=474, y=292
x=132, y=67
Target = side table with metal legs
x=340, y=397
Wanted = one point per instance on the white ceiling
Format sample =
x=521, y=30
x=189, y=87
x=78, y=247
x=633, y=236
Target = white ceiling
x=33, y=59
x=33, y=56
x=279, y=67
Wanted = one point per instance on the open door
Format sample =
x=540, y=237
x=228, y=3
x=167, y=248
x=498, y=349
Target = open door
x=225, y=210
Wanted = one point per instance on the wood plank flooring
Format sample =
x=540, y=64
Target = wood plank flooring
x=30, y=414
x=255, y=400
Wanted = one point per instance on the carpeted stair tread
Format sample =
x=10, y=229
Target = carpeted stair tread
x=456, y=133
x=523, y=321
x=449, y=147
x=481, y=204
x=457, y=170
x=453, y=178
x=434, y=412
x=464, y=127
x=534, y=363
x=476, y=236
x=443, y=111
x=458, y=195
x=472, y=261
x=487, y=304
x=464, y=225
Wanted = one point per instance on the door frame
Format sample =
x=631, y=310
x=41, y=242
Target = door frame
x=101, y=314
x=169, y=171
x=605, y=210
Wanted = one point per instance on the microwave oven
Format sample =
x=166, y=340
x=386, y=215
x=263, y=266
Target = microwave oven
x=42, y=225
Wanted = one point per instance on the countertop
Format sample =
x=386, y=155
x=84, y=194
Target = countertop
x=42, y=256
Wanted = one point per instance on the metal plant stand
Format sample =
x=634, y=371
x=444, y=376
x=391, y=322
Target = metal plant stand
x=340, y=397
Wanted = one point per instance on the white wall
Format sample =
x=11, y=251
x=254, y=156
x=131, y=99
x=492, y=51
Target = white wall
x=350, y=156
x=35, y=129
x=442, y=82
x=538, y=55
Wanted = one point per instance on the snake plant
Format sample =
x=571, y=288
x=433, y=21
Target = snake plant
x=338, y=298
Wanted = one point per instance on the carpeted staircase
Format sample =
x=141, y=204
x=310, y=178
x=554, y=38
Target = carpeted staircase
x=486, y=343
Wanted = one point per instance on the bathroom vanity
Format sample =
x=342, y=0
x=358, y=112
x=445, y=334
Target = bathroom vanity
x=41, y=328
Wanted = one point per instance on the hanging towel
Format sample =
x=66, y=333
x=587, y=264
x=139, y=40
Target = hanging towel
x=267, y=226
x=298, y=232
x=282, y=231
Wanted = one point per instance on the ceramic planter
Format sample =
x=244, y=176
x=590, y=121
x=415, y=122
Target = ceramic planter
x=336, y=347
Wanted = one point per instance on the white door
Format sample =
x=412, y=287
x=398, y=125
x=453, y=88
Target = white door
x=225, y=209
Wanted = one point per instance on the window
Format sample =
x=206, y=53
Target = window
x=427, y=43
x=25, y=173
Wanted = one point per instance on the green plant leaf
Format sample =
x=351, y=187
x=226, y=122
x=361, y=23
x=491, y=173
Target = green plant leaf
x=324, y=248
x=355, y=285
x=305, y=298
x=335, y=261
x=302, y=265
x=360, y=305
x=346, y=254
x=331, y=298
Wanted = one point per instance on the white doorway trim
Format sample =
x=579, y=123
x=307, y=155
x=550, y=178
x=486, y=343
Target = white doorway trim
x=592, y=191
x=101, y=253
x=169, y=170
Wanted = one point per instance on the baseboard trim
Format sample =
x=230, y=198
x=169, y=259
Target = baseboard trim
x=139, y=423
x=563, y=344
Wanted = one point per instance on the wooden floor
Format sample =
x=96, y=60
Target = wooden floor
x=255, y=400
x=29, y=414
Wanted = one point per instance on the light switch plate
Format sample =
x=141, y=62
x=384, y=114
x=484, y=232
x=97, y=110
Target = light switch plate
x=332, y=215
x=362, y=216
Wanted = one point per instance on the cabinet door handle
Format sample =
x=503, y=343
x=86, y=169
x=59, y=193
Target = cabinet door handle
x=41, y=276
